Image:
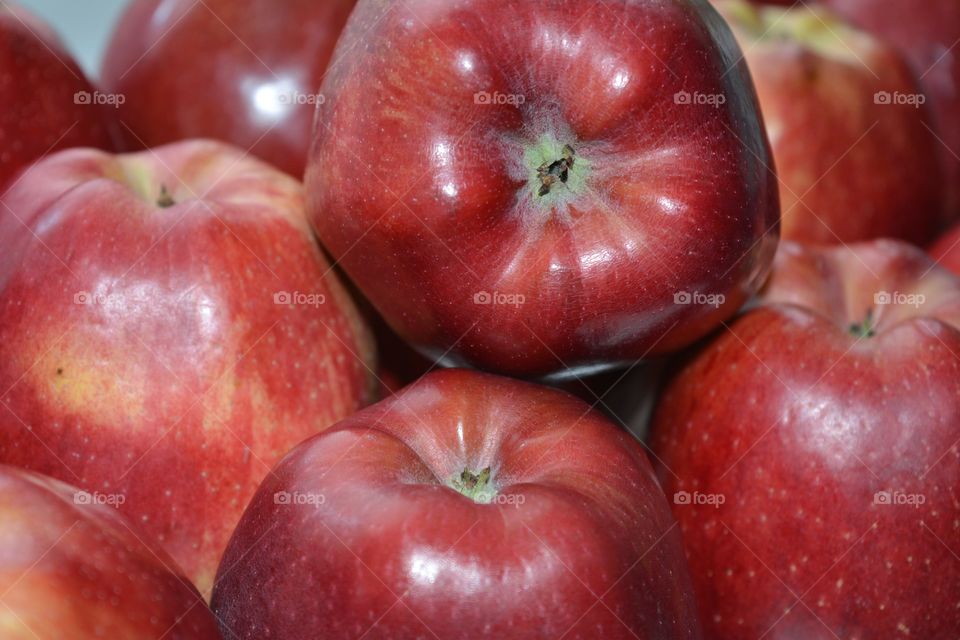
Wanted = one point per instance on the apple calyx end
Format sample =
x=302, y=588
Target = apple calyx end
x=476, y=486
x=165, y=200
x=557, y=174
x=865, y=329
x=550, y=172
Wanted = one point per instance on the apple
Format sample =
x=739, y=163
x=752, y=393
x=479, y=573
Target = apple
x=847, y=123
x=467, y=505
x=73, y=568
x=813, y=452
x=243, y=72
x=928, y=39
x=946, y=250
x=48, y=104
x=529, y=190
x=398, y=364
x=168, y=329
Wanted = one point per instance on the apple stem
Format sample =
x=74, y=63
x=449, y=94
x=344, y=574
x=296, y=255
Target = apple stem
x=165, y=200
x=475, y=486
x=864, y=329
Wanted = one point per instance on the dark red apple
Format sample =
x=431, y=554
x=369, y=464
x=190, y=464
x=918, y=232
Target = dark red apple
x=46, y=103
x=928, y=34
x=527, y=187
x=168, y=329
x=244, y=72
x=468, y=505
x=848, y=125
x=813, y=452
x=72, y=568
x=946, y=250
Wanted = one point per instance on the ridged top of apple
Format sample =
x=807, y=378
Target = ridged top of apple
x=193, y=173
x=866, y=290
x=518, y=491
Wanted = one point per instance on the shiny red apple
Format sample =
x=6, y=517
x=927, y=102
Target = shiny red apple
x=47, y=103
x=168, y=329
x=928, y=34
x=72, y=568
x=848, y=124
x=466, y=506
x=812, y=452
x=528, y=188
x=243, y=72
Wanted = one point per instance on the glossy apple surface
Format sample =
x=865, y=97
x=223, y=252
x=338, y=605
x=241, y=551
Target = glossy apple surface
x=243, y=72
x=468, y=505
x=848, y=125
x=927, y=34
x=39, y=86
x=436, y=178
x=169, y=329
x=73, y=568
x=816, y=446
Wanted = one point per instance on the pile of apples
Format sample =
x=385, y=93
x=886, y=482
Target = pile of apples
x=482, y=319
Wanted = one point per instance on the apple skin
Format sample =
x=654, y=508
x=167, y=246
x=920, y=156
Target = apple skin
x=38, y=83
x=141, y=348
x=799, y=423
x=946, y=250
x=224, y=69
x=76, y=570
x=928, y=38
x=577, y=512
x=850, y=169
x=427, y=193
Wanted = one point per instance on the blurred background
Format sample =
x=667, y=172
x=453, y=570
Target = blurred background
x=84, y=25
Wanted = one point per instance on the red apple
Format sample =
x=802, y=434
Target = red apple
x=946, y=250
x=813, y=452
x=398, y=364
x=168, y=329
x=72, y=568
x=47, y=102
x=847, y=123
x=528, y=189
x=244, y=72
x=928, y=34
x=468, y=505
